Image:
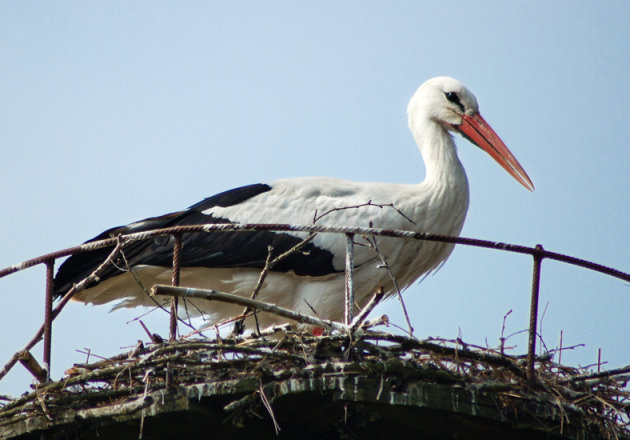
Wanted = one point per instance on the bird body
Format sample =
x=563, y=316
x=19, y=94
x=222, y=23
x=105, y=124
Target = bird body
x=312, y=279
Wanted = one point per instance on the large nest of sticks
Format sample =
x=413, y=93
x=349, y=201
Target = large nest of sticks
x=294, y=384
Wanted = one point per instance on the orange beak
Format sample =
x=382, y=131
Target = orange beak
x=477, y=130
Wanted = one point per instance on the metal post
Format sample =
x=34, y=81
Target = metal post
x=349, y=288
x=50, y=268
x=177, y=247
x=533, y=316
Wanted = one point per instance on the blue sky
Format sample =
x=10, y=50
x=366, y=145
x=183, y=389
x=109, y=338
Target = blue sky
x=112, y=112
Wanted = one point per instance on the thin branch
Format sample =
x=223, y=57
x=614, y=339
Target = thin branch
x=269, y=264
x=267, y=404
x=502, y=339
x=413, y=343
x=262, y=276
x=561, y=349
x=213, y=295
x=30, y=363
x=154, y=337
x=239, y=325
x=134, y=275
x=358, y=321
x=278, y=259
x=393, y=278
x=316, y=217
x=602, y=374
x=382, y=320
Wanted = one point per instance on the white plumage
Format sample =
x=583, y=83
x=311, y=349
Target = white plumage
x=437, y=205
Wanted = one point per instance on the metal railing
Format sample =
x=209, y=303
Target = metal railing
x=538, y=254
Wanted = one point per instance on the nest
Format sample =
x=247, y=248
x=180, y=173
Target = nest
x=253, y=378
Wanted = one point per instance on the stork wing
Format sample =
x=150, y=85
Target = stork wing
x=200, y=249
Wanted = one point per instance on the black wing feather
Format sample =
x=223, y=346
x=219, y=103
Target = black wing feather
x=231, y=197
x=213, y=250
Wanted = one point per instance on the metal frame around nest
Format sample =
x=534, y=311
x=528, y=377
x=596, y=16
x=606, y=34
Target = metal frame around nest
x=119, y=242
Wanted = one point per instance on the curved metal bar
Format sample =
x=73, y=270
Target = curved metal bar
x=321, y=229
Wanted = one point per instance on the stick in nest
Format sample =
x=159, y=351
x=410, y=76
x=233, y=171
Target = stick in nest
x=268, y=407
x=381, y=257
x=213, y=295
x=269, y=264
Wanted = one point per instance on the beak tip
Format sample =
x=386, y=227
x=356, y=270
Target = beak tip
x=479, y=132
x=530, y=184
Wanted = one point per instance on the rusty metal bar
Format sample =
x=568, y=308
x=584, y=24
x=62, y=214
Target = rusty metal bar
x=319, y=229
x=349, y=282
x=177, y=248
x=62, y=302
x=533, y=316
x=48, y=308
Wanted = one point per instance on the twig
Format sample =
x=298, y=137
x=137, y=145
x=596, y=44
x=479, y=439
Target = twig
x=603, y=374
x=239, y=325
x=268, y=407
x=158, y=306
x=363, y=314
x=394, y=280
x=154, y=337
x=262, y=276
x=316, y=217
x=31, y=364
x=381, y=320
x=40, y=399
x=502, y=339
x=269, y=264
x=408, y=343
x=560, y=350
x=144, y=396
x=213, y=295
x=89, y=353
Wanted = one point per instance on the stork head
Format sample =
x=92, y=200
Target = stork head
x=446, y=102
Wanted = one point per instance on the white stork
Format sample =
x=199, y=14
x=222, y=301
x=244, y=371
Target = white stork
x=313, y=278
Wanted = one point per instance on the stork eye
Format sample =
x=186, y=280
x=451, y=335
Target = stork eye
x=452, y=97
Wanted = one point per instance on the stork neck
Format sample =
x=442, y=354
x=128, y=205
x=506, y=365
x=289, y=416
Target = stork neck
x=443, y=167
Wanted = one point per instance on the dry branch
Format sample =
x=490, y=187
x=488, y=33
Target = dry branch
x=30, y=363
x=359, y=320
x=213, y=295
x=269, y=264
x=381, y=257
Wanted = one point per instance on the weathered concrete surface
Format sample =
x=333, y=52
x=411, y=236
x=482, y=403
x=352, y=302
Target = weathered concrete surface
x=336, y=405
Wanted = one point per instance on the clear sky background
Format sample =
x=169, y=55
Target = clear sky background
x=115, y=111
